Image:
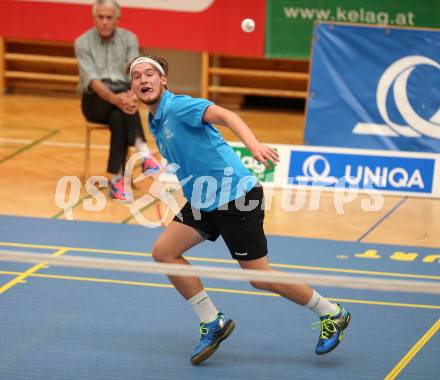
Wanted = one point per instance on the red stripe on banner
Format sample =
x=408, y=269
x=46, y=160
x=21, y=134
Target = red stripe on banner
x=216, y=29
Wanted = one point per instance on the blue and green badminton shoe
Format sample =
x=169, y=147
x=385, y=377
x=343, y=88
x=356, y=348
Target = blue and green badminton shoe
x=211, y=335
x=332, y=330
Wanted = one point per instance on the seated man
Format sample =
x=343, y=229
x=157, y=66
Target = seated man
x=102, y=54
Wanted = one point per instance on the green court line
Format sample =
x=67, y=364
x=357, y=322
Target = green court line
x=29, y=146
x=145, y=207
x=58, y=214
x=126, y=220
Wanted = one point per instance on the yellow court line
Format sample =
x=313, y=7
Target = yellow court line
x=413, y=351
x=323, y=269
x=21, y=276
x=386, y=303
x=218, y=290
x=228, y=261
x=359, y=271
x=74, y=249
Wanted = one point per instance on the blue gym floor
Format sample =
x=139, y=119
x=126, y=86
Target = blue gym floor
x=60, y=323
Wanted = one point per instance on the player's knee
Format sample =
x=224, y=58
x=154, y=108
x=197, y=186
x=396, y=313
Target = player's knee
x=158, y=253
x=162, y=253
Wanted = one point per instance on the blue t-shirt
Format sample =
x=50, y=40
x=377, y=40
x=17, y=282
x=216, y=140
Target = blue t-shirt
x=210, y=172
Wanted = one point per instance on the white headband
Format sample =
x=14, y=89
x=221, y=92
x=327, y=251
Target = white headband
x=146, y=60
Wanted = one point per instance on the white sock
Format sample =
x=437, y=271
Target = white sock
x=320, y=305
x=203, y=307
x=141, y=146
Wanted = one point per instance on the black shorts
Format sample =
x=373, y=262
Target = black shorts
x=238, y=222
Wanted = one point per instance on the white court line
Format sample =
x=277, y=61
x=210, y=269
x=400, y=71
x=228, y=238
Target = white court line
x=6, y=140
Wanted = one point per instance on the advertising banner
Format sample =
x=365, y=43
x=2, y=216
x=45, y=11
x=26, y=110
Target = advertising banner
x=347, y=170
x=190, y=25
x=405, y=174
x=374, y=88
x=290, y=22
x=255, y=167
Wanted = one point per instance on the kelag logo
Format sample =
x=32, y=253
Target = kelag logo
x=256, y=168
x=405, y=174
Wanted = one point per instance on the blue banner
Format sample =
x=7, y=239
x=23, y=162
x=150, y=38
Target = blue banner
x=374, y=88
x=362, y=171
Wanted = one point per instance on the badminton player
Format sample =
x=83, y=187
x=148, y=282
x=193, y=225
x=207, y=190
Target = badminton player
x=223, y=199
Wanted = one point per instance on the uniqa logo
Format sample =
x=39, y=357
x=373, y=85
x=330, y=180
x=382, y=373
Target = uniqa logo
x=316, y=168
x=396, y=75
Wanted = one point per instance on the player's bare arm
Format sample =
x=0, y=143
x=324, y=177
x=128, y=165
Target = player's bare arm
x=218, y=115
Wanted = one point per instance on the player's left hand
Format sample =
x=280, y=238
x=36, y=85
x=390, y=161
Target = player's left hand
x=265, y=155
